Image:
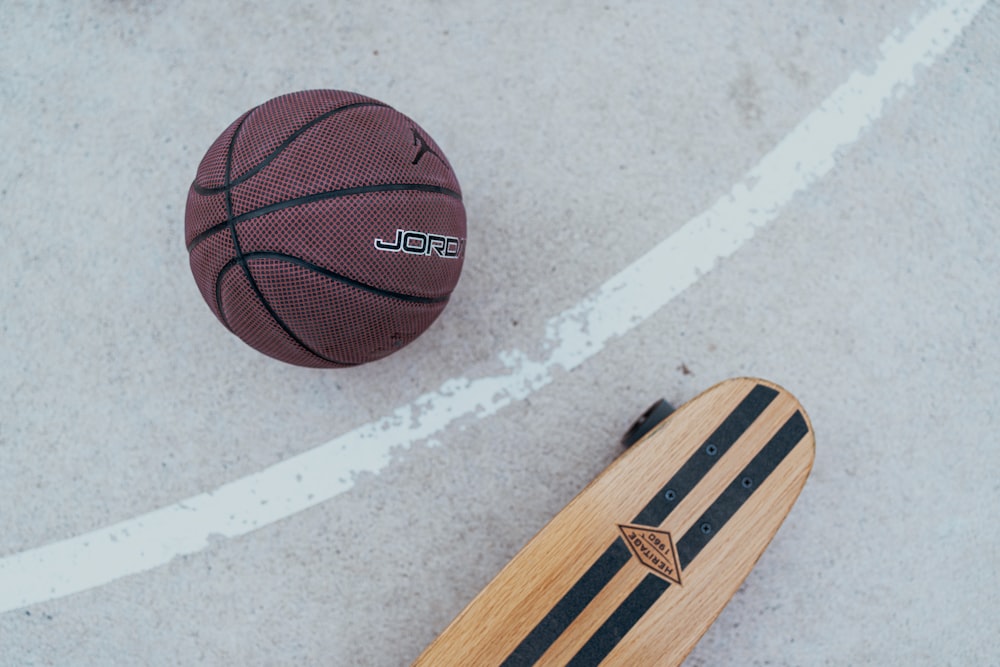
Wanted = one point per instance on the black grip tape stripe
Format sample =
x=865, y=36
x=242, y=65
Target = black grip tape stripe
x=696, y=467
x=645, y=595
x=571, y=605
x=621, y=621
x=593, y=581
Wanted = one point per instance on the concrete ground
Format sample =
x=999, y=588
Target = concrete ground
x=584, y=134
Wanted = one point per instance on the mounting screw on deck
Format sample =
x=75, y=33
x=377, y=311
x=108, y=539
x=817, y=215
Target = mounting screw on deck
x=649, y=420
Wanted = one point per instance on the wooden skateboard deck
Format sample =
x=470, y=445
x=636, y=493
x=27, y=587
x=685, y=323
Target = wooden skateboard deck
x=637, y=567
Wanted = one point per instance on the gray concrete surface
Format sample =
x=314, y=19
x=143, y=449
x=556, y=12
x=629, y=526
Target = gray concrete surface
x=582, y=133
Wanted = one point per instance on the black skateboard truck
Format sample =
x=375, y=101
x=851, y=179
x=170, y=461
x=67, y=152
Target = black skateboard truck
x=651, y=418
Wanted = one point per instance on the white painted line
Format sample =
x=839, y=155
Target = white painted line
x=627, y=299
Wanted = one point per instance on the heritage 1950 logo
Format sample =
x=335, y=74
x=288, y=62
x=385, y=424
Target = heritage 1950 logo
x=654, y=549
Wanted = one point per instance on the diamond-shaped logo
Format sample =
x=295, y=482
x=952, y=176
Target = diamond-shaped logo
x=654, y=549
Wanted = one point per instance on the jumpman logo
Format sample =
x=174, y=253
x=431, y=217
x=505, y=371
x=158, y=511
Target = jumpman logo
x=424, y=148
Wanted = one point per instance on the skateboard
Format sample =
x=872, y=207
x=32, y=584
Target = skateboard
x=637, y=567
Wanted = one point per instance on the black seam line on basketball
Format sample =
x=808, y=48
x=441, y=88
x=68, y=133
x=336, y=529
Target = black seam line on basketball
x=722, y=509
x=229, y=216
x=345, y=280
x=320, y=196
x=615, y=556
x=218, y=298
x=282, y=146
x=231, y=224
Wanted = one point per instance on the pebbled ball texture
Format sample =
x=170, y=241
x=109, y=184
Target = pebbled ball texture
x=286, y=211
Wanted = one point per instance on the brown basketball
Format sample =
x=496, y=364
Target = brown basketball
x=325, y=229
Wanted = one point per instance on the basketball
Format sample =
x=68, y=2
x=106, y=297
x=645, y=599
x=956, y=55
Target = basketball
x=325, y=229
